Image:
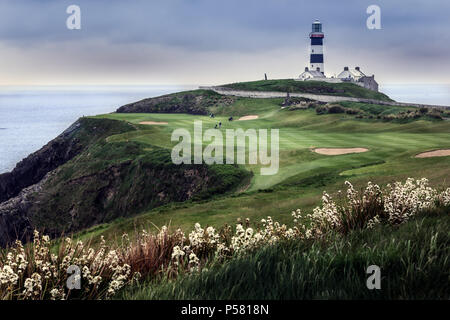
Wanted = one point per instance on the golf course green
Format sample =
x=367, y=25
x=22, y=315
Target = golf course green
x=303, y=174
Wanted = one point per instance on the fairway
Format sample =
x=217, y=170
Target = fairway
x=303, y=174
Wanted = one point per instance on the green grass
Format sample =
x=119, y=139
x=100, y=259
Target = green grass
x=315, y=87
x=303, y=175
x=111, y=179
x=413, y=259
x=375, y=109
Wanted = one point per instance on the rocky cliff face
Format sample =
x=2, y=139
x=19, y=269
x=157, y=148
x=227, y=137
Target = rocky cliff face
x=117, y=191
x=14, y=220
x=34, y=167
x=20, y=187
x=79, y=180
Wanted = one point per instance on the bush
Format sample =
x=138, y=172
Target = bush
x=413, y=258
x=322, y=110
x=336, y=109
x=36, y=273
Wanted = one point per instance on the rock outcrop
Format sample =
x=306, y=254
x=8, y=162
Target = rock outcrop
x=192, y=102
x=14, y=221
x=34, y=167
x=80, y=179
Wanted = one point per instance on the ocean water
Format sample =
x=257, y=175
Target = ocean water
x=420, y=93
x=32, y=116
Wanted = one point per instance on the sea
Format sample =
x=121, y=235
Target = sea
x=31, y=116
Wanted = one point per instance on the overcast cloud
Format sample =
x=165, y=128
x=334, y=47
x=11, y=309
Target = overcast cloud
x=209, y=42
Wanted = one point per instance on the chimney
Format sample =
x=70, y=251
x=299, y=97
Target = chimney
x=306, y=69
x=357, y=68
x=345, y=68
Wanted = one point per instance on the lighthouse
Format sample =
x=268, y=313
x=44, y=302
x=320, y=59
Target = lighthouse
x=316, y=51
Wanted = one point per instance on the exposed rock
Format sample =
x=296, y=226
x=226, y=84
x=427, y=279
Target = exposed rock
x=79, y=180
x=14, y=221
x=34, y=167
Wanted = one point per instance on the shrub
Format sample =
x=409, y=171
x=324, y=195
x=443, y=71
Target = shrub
x=351, y=111
x=321, y=109
x=35, y=272
x=336, y=109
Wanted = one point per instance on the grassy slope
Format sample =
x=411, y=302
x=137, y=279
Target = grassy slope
x=317, y=87
x=413, y=259
x=111, y=179
x=303, y=175
x=375, y=109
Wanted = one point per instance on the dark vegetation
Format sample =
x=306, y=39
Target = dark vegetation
x=413, y=258
x=107, y=180
x=110, y=186
x=381, y=112
x=58, y=151
x=191, y=102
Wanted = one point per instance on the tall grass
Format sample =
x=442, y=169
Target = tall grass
x=35, y=272
x=331, y=242
x=414, y=262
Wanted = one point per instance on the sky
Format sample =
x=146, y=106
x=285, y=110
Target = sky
x=212, y=42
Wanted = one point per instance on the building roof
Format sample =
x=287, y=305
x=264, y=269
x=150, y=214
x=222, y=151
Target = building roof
x=311, y=74
x=355, y=74
x=345, y=74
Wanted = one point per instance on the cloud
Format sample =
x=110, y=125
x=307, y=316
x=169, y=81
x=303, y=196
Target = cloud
x=205, y=40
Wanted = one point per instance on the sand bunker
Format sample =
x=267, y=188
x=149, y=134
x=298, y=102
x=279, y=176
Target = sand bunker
x=338, y=151
x=435, y=153
x=153, y=123
x=252, y=117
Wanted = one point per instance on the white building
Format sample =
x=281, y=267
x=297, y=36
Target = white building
x=358, y=77
x=316, y=70
x=311, y=74
x=351, y=75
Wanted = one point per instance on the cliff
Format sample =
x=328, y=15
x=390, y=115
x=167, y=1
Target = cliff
x=33, y=168
x=79, y=180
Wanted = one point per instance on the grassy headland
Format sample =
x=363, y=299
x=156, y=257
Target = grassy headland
x=314, y=87
x=122, y=180
x=303, y=174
